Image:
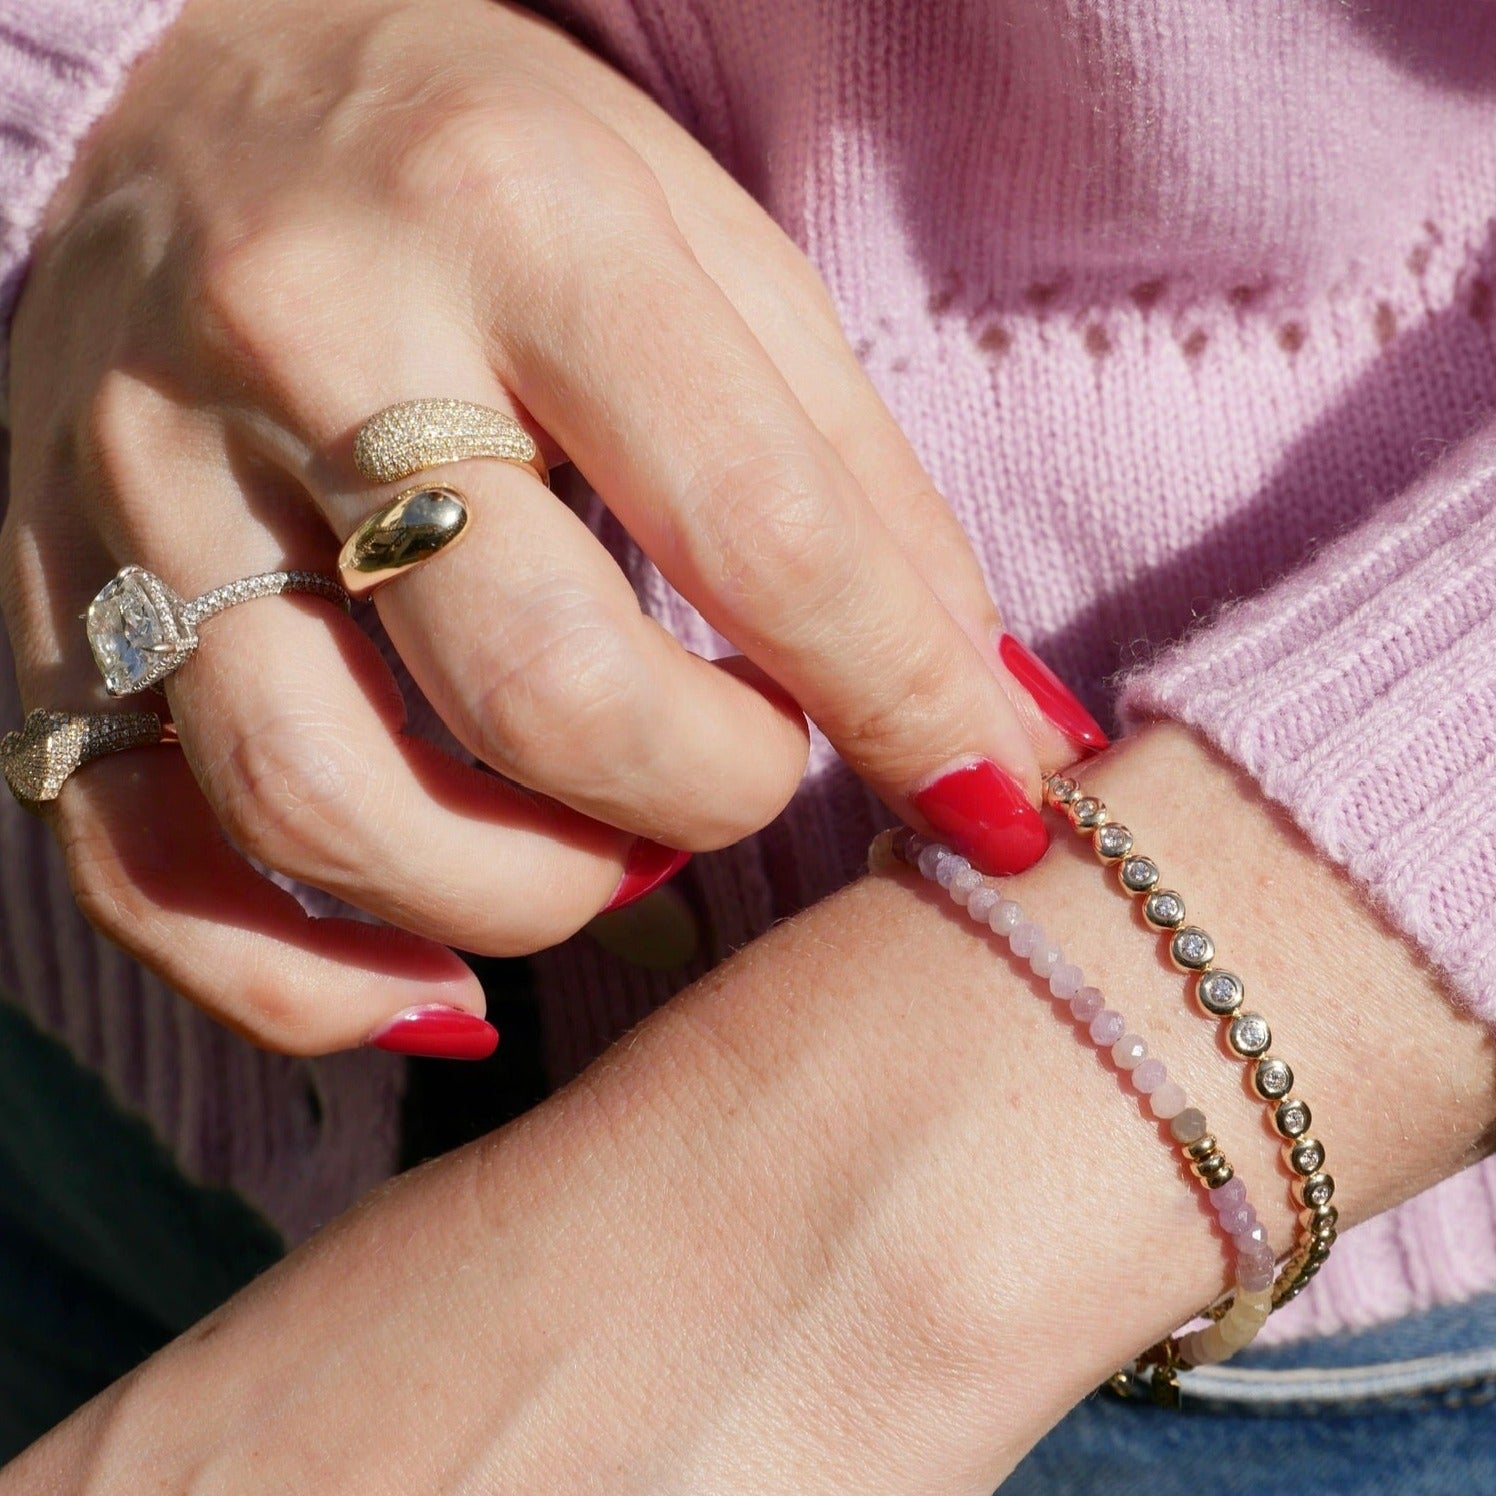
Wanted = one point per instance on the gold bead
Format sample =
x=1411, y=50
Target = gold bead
x=1200, y=1148
x=1292, y=1117
x=1212, y=1164
x=880, y=858
x=1059, y=790
x=1086, y=813
x=1316, y=1190
x=1214, y=1178
x=1307, y=1156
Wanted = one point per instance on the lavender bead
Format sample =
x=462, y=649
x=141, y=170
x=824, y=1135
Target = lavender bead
x=1129, y=1051
x=1006, y=917
x=1044, y=958
x=1086, y=1004
x=948, y=866
x=1238, y=1218
x=1025, y=939
x=929, y=859
x=1254, y=1267
x=964, y=884
x=982, y=903
x=1228, y=1195
x=1148, y=1075
x=1065, y=980
x=1255, y=1233
x=1168, y=1100
x=1107, y=1027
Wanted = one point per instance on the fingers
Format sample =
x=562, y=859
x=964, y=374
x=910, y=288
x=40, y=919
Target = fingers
x=707, y=458
x=530, y=643
x=785, y=305
x=150, y=869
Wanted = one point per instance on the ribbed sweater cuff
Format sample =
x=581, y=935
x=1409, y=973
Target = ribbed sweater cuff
x=1361, y=693
x=62, y=62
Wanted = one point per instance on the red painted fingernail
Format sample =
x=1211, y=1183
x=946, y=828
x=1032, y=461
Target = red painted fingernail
x=1051, y=695
x=986, y=816
x=437, y=1033
x=650, y=864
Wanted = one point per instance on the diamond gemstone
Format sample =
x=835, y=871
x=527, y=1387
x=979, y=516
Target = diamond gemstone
x=1113, y=841
x=128, y=633
x=1165, y=910
x=1292, y=1118
x=1139, y=874
x=1318, y=1190
x=1220, y=992
x=1192, y=948
x=1249, y=1034
x=1273, y=1078
x=1307, y=1155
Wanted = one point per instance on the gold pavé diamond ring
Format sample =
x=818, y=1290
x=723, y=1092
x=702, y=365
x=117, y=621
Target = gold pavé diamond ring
x=52, y=746
x=408, y=438
x=417, y=525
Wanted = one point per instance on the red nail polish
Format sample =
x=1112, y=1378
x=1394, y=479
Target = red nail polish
x=650, y=864
x=437, y=1033
x=986, y=816
x=1051, y=695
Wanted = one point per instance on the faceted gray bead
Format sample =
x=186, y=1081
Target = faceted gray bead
x=1220, y=992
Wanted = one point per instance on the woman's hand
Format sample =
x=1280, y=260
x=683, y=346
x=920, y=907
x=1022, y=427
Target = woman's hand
x=302, y=212
x=860, y=1211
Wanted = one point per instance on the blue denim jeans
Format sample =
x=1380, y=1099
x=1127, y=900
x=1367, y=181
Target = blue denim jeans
x=107, y=1252
x=1407, y=1409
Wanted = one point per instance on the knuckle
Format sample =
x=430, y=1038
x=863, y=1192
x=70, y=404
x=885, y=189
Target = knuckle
x=290, y=792
x=769, y=523
x=259, y=299
x=563, y=686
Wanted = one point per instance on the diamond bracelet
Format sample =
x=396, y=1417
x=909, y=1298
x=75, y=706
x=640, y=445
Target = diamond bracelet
x=1220, y=994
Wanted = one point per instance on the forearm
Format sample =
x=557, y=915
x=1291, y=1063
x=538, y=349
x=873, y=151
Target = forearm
x=857, y=1210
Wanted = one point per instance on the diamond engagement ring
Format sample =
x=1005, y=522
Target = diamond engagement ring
x=52, y=746
x=140, y=631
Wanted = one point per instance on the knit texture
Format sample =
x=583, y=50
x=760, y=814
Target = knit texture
x=1188, y=306
x=61, y=64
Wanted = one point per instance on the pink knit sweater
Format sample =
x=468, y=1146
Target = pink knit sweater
x=1190, y=307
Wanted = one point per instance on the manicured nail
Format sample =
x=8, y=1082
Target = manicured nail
x=986, y=816
x=1051, y=695
x=650, y=864
x=437, y=1033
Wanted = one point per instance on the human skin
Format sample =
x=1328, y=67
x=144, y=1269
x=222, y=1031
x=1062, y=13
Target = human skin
x=300, y=213
x=858, y=1211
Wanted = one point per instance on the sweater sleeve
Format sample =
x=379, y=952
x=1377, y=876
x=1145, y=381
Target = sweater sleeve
x=62, y=63
x=1360, y=692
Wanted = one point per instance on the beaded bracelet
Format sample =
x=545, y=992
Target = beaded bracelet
x=1238, y=1317
x=1220, y=994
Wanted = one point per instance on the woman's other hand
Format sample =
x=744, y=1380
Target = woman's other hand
x=301, y=213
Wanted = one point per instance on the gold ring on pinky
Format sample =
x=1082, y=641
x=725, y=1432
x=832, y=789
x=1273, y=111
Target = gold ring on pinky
x=52, y=746
x=406, y=533
x=415, y=435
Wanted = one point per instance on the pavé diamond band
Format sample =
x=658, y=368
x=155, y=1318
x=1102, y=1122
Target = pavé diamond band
x=140, y=630
x=408, y=438
x=52, y=746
